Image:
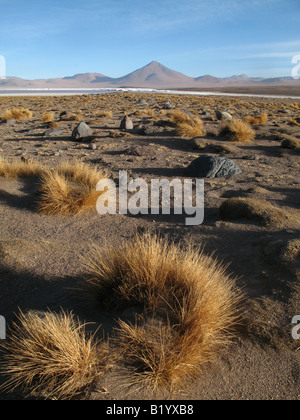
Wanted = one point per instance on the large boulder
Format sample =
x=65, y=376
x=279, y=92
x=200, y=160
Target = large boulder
x=212, y=167
x=82, y=131
x=126, y=123
x=223, y=116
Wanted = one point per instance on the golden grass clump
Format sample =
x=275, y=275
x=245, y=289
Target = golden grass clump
x=53, y=124
x=70, y=189
x=50, y=355
x=104, y=114
x=20, y=169
x=290, y=142
x=16, y=114
x=144, y=113
x=48, y=117
x=186, y=126
x=238, y=131
x=260, y=211
x=189, y=304
x=72, y=116
x=260, y=119
x=292, y=121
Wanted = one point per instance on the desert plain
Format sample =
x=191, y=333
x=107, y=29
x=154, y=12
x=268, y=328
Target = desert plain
x=41, y=255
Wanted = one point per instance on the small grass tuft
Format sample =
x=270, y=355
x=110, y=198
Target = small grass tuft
x=16, y=114
x=186, y=126
x=237, y=131
x=48, y=117
x=260, y=119
x=70, y=189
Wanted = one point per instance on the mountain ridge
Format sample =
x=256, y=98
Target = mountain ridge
x=154, y=75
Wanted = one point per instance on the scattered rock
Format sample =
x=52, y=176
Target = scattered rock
x=10, y=121
x=134, y=151
x=168, y=105
x=250, y=157
x=126, y=124
x=212, y=167
x=53, y=132
x=143, y=102
x=223, y=116
x=82, y=131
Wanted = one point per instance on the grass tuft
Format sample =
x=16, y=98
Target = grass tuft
x=48, y=117
x=186, y=126
x=260, y=211
x=16, y=114
x=20, y=169
x=237, y=131
x=260, y=119
x=189, y=304
x=50, y=355
x=70, y=189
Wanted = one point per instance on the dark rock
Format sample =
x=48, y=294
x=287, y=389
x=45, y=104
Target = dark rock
x=82, y=131
x=134, y=151
x=212, y=167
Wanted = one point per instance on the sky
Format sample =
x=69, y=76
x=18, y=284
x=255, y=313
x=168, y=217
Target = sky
x=45, y=39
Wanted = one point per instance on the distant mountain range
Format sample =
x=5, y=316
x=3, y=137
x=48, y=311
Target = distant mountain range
x=153, y=76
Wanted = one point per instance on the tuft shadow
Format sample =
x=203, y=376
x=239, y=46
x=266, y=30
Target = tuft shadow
x=28, y=201
x=174, y=143
x=163, y=172
x=274, y=151
x=292, y=195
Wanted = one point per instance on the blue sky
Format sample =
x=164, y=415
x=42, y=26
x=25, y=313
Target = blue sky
x=43, y=39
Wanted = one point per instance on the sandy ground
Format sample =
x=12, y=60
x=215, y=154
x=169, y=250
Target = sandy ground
x=40, y=266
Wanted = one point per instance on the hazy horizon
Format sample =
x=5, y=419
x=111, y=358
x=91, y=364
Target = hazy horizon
x=114, y=37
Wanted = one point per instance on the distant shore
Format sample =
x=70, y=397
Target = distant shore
x=251, y=90
x=255, y=91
